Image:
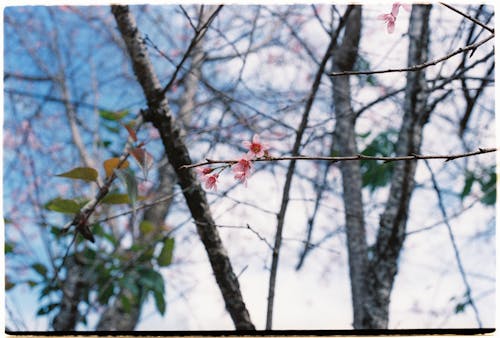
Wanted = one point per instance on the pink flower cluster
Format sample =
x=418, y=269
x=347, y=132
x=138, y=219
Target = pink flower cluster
x=390, y=18
x=241, y=169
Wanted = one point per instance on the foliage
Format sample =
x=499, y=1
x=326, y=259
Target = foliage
x=374, y=173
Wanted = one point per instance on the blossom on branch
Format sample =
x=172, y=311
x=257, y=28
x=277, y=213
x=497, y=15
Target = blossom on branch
x=211, y=181
x=256, y=148
x=203, y=172
x=242, y=169
x=206, y=177
x=390, y=18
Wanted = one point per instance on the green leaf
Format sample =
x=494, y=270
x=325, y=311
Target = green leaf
x=151, y=280
x=90, y=254
x=9, y=247
x=40, y=268
x=104, y=143
x=112, y=129
x=81, y=173
x=372, y=80
x=99, y=231
x=364, y=135
x=460, y=307
x=127, y=176
x=488, y=187
x=469, y=180
x=55, y=231
x=146, y=227
x=375, y=174
x=44, y=310
x=160, y=302
x=113, y=116
x=116, y=199
x=126, y=303
x=129, y=284
x=63, y=205
x=8, y=284
x=47, y=289
x=166, y=254
x=32, y=283
x=106, y=293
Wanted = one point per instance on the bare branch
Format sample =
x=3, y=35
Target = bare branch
x=291, y=168
x=199, y=33
x=468, y=289
x=357, y=157
x=419, y=66
x=465, y=15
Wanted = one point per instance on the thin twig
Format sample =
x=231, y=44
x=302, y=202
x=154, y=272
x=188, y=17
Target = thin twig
x=262, y=238
x=468, y=290
x=291, y=168
x=357, y=157
x=420, y=66
x=465, y=15
x=199, y=33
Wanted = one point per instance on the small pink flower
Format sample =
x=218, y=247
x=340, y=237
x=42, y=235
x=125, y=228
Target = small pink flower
x=211, y=181
x=203, y=172
x=255, y=148
x=205, y=176
x=390, y=20
x=242, y=169
x=396, y=5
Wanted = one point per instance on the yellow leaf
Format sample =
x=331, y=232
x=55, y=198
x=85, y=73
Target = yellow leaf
x=112, y=164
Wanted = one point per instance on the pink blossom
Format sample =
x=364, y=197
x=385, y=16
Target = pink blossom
x=205, y=176
x=395, y=8
x=203, y=172
x=242, y=169
x=390, y=18
x=211, y=181
x=255, y=148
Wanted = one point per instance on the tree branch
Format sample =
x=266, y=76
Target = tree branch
x=465, y=15
x=358, y=157
x=418, y=66
x=291, y=169
x=161, y=116
x=468, y=290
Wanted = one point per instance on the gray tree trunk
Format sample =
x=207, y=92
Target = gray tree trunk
x=160, y=115
x=392, y=227
x=115, y=318
x=344, y=140
x=372, y=278
x=68, y=314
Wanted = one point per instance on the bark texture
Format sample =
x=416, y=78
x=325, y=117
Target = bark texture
x=160, y=115
x=383, y=266
x=68, y=315
x=372, y=278
x=115, y=318
x=345, y=144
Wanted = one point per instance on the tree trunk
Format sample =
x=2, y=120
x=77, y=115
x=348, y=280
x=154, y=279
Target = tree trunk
x=68, y=314
x=344, y=140
x=161, y=116
x=115, y=317
x=372, y=278
x=392, y=228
